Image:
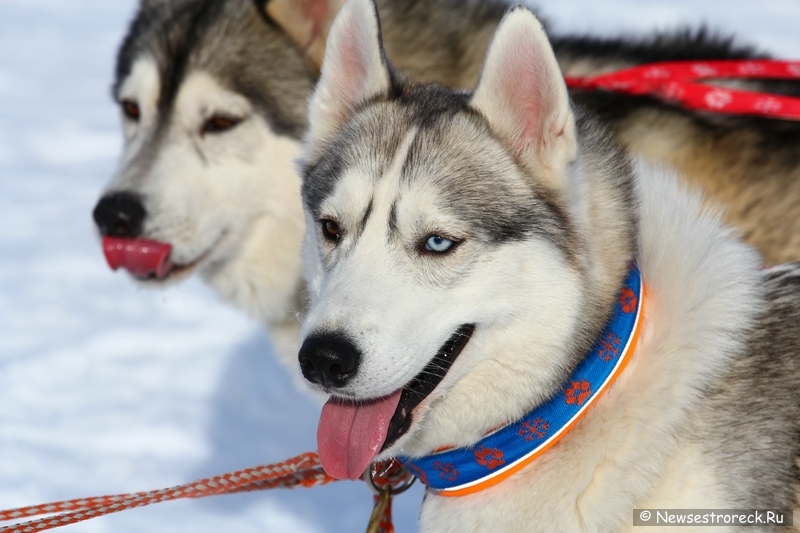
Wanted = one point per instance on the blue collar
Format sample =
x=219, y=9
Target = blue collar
x=461, y=471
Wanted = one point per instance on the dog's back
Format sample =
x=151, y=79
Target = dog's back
x=749, y=421
x=739, y=162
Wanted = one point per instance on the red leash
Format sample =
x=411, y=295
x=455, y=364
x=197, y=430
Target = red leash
x=301, y=471
x=678, y=82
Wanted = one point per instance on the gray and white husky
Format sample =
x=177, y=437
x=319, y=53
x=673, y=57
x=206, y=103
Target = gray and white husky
x=213, y=97
x=465, y=250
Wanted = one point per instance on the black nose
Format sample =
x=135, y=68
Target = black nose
x=120, y=214
x=329, y=359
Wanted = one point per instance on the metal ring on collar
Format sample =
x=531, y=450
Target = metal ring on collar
x=406, y=481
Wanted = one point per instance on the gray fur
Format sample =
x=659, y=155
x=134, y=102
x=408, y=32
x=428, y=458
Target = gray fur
x=468, y=182
x=749, y=422
x=738, y=339
x=234, y=42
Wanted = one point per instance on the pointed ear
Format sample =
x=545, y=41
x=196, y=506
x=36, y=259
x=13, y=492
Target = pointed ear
x=522, y=94
x=307, y=22
x=354, y=69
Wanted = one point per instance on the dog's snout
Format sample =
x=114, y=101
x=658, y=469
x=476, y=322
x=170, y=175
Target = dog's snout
x=329, y=359
x=120, y=214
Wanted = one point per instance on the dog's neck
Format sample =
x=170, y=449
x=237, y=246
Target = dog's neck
x=698, y=275
x=507, y=450
x=276, y=296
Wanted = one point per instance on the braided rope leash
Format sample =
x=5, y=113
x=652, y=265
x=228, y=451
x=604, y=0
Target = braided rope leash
x=678, y=82
x=301, y=471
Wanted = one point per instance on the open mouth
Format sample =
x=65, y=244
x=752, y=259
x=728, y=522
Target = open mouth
x=425, y=382
x=351, y=433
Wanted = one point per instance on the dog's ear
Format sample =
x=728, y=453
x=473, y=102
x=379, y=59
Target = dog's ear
x=307, y=22
x=355, y=69
x=522, y=94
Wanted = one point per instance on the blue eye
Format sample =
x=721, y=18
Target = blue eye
x=438, y=244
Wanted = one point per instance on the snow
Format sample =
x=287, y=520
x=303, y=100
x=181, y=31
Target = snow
x=771, y=25
x=106, y=387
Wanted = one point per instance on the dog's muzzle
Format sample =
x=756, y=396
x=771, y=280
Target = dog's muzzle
x=352, y=432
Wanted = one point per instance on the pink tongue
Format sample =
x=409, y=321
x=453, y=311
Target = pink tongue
x=140, y=257
x=351, y=434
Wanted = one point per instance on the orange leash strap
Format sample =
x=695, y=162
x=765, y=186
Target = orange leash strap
x=301, y=471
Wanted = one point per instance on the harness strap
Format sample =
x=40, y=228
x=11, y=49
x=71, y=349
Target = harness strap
x=677, y=82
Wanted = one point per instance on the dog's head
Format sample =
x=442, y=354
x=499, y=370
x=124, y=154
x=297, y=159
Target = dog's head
x=213, y=98
x=441, y=251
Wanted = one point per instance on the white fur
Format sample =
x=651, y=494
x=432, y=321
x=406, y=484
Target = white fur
x=635, y=447
x=228, y=202
x=632, y=450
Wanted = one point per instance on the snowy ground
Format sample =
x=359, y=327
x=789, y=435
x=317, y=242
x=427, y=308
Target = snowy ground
x=107, y=388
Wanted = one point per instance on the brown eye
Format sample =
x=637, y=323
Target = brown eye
x=130, y=109
x=219, y=123
x=331, y=230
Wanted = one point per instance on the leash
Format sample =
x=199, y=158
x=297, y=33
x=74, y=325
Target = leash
x=677, y=82
x=386, y=479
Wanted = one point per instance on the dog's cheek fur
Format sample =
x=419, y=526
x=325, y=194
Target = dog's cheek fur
x=268, y=224
x=523, y=324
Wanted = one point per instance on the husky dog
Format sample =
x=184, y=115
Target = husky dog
x=213, y=101
x=465, y=252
